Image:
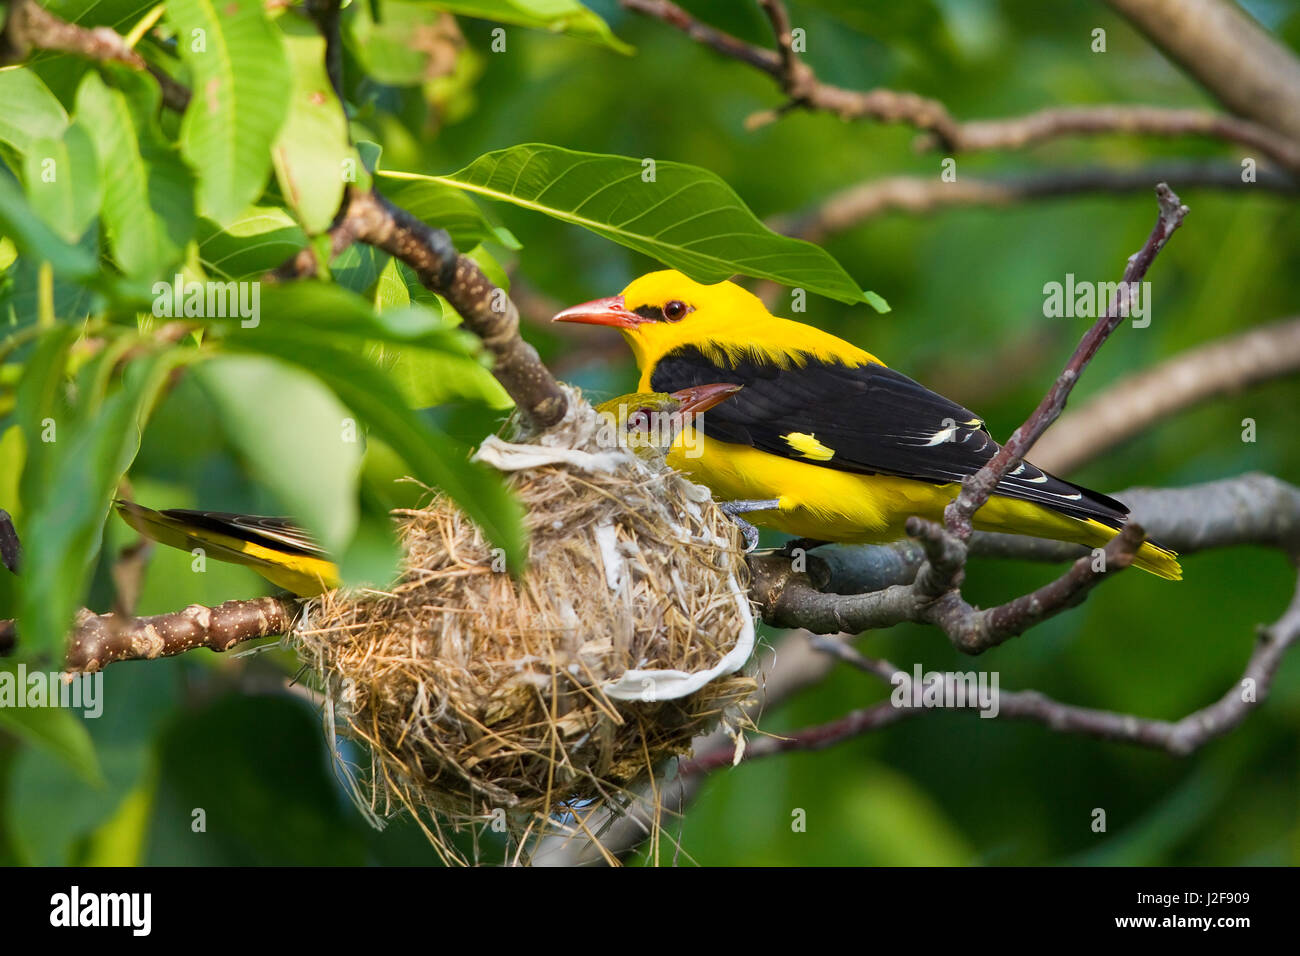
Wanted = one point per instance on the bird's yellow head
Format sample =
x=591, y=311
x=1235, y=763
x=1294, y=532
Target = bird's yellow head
x=663, y=310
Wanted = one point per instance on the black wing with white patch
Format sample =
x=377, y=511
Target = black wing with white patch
x=278, y=533
x=866, y=419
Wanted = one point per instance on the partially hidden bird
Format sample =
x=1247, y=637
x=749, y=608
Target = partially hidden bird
x=823, y=440
x=287, y=556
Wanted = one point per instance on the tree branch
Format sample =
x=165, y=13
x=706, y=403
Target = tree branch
x=805, y=91
x=1179, y=738
x=924, y=194
x=1228, y=53
x=101, y=639
x=486, y=310
x=30, y=26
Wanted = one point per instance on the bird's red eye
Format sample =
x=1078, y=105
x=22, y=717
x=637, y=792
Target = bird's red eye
x=675, y=310
x=638, y=421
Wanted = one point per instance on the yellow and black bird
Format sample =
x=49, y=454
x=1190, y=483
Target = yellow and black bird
x=275, y=548
x=824, y=441
x=287, y=556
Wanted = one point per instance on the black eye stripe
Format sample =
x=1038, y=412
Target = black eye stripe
x=652, y=312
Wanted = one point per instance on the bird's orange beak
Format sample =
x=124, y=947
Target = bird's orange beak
x=700, y=398
x=608, y=311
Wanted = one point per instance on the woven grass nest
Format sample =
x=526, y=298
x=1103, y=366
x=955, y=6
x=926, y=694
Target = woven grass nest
x=485, y=698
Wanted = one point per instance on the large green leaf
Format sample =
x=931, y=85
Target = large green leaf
x=62, y=180
x=240, y=99
x=684, y=216
x=308, y=453
x=30, y=111
x=435, y=458
x=557, y=16
x=313, y=146
x=148, y=191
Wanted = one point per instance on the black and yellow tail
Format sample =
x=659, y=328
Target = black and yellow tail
x=275, y=548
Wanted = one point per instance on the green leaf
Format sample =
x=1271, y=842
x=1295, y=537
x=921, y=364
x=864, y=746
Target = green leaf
x=62, y=180
x=30, y=111
x=92, y=449
x=428, y=377
x=435, y=458
x=391, y=290
x=311, y=154
x=240, y=99
x=306, y=453
x=41, y=402
x=55, y=730
x=148, y=191
x=258, y=241
x=556, y=16
x=33, y=237
x=685, y=217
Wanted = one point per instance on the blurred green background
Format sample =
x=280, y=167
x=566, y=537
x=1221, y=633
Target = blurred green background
x=221, y=733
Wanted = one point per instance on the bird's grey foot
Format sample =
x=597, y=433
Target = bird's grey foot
x=734, y=510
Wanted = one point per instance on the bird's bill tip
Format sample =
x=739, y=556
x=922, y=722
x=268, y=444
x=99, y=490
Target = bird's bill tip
x=611, y=310
x=700, y=398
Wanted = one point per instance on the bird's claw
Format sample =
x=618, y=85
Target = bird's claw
x=748, y=532
x=734, y=510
